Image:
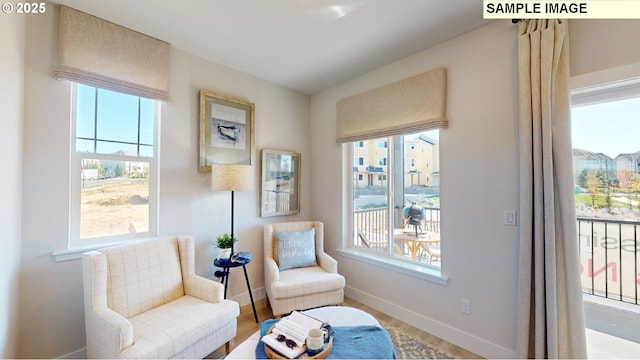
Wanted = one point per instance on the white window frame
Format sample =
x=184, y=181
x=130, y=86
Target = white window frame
x=601, y=86
x=370, y=256
x=75, y=184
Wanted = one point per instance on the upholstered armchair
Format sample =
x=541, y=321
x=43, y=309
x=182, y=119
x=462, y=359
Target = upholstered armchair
x=298, y=273
x=144, y=300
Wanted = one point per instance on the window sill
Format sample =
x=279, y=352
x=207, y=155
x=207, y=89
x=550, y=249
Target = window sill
x=76, y=253
x=418, y=271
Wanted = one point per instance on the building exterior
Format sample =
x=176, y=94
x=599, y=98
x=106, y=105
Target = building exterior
x=588, y=160
x=421, y=162
x=629, y=161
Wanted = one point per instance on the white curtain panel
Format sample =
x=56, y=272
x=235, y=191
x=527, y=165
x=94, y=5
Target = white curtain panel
x=550, y=318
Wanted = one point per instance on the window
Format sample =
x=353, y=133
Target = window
x=358, y=161
x=606, y=155
x=382, y=144
x=405, y=193
x=359, y=144
x=113, y=173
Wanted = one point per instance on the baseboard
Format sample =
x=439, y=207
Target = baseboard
x=244, y=299
x=446, y=332
x=78, y=354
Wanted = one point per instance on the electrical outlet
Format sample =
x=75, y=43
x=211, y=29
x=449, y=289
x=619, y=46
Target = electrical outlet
x=510, y=217
x=465, y=306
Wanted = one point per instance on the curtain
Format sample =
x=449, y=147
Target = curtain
x=550, y=307
x=95, y=52
x=409, y=105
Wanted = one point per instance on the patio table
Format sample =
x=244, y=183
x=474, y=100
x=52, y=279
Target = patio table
x=413, y=243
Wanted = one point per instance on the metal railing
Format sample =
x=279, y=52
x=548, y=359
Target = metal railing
x=609, y=258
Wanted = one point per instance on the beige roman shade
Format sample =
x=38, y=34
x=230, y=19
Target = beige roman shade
x=410, y=105
x=99, y=53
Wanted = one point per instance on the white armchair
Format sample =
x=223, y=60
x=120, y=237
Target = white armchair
x=144, y=300
x=302, y=287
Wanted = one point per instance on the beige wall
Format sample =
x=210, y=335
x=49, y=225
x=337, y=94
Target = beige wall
x=51, y=319
x=479, y=180
x=597, y=45
x=12, y=38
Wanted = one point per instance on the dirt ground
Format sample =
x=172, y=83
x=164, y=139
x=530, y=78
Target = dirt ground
x=109, y=209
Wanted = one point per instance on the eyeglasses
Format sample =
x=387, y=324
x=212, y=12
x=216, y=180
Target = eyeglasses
x=290, y=343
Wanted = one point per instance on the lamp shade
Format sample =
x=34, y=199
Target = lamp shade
x=231, y=177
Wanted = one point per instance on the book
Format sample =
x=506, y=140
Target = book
x=294, y=327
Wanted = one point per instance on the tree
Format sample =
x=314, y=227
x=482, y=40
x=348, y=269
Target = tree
x=118, y=171
x=635, y=187
x=593, y=182
x=626, y=180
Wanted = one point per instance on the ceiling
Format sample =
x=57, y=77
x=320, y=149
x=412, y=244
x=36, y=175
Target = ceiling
x=305, y=45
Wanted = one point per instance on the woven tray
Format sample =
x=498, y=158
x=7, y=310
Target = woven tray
x=272, y=354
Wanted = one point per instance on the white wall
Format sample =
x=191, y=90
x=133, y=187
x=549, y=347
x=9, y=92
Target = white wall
x=12, y=38
x=51, y=320
x=603, y=44
x=479, y=177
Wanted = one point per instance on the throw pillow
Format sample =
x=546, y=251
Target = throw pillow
x=296, y=249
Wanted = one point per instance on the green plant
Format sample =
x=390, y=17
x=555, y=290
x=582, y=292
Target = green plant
x=224, y=241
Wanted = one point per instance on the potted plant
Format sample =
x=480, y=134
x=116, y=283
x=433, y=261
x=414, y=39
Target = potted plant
x=224, y=244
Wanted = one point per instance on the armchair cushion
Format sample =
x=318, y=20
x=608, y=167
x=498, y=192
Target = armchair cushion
x=303, y=281
x=296, y=249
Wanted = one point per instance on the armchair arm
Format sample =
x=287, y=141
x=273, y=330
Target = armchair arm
x=271, y=272
x=204, y=289
x=328, y=263
x=108, y=333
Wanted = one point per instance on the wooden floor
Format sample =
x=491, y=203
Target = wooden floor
x=247, y=326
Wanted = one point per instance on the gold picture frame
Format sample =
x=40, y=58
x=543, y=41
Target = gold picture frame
x=226, y=130
x=280, y=183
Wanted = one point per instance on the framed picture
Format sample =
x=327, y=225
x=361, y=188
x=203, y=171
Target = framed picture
x=226, y=130
x=280, y=183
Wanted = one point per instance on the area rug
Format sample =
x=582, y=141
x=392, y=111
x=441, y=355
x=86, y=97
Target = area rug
x=410, y=347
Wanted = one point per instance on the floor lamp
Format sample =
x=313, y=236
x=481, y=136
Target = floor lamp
x=231, y=178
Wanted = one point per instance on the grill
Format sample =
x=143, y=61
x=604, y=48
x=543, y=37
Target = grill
x=414, y=215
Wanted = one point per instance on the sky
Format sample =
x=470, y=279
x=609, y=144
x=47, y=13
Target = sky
x=611, y=128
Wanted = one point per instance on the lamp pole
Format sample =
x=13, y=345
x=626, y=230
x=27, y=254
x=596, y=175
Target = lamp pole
x=232, y=211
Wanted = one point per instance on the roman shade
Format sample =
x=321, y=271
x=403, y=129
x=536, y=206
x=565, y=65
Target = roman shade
x=410, y=105
x=95, y=52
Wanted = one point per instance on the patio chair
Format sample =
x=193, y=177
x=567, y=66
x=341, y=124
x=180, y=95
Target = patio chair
x=378, y=245
x=433, y=252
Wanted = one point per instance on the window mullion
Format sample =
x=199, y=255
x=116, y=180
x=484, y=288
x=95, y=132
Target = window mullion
x=139, y=125
x=95, y=121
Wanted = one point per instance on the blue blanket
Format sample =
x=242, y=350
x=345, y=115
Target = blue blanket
x=349, y=342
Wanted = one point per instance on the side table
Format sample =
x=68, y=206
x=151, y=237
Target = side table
x=226, y=265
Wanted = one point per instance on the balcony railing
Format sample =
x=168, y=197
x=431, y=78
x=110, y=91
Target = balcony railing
x=609, y=258
x=371, y=229
x=609, y=250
